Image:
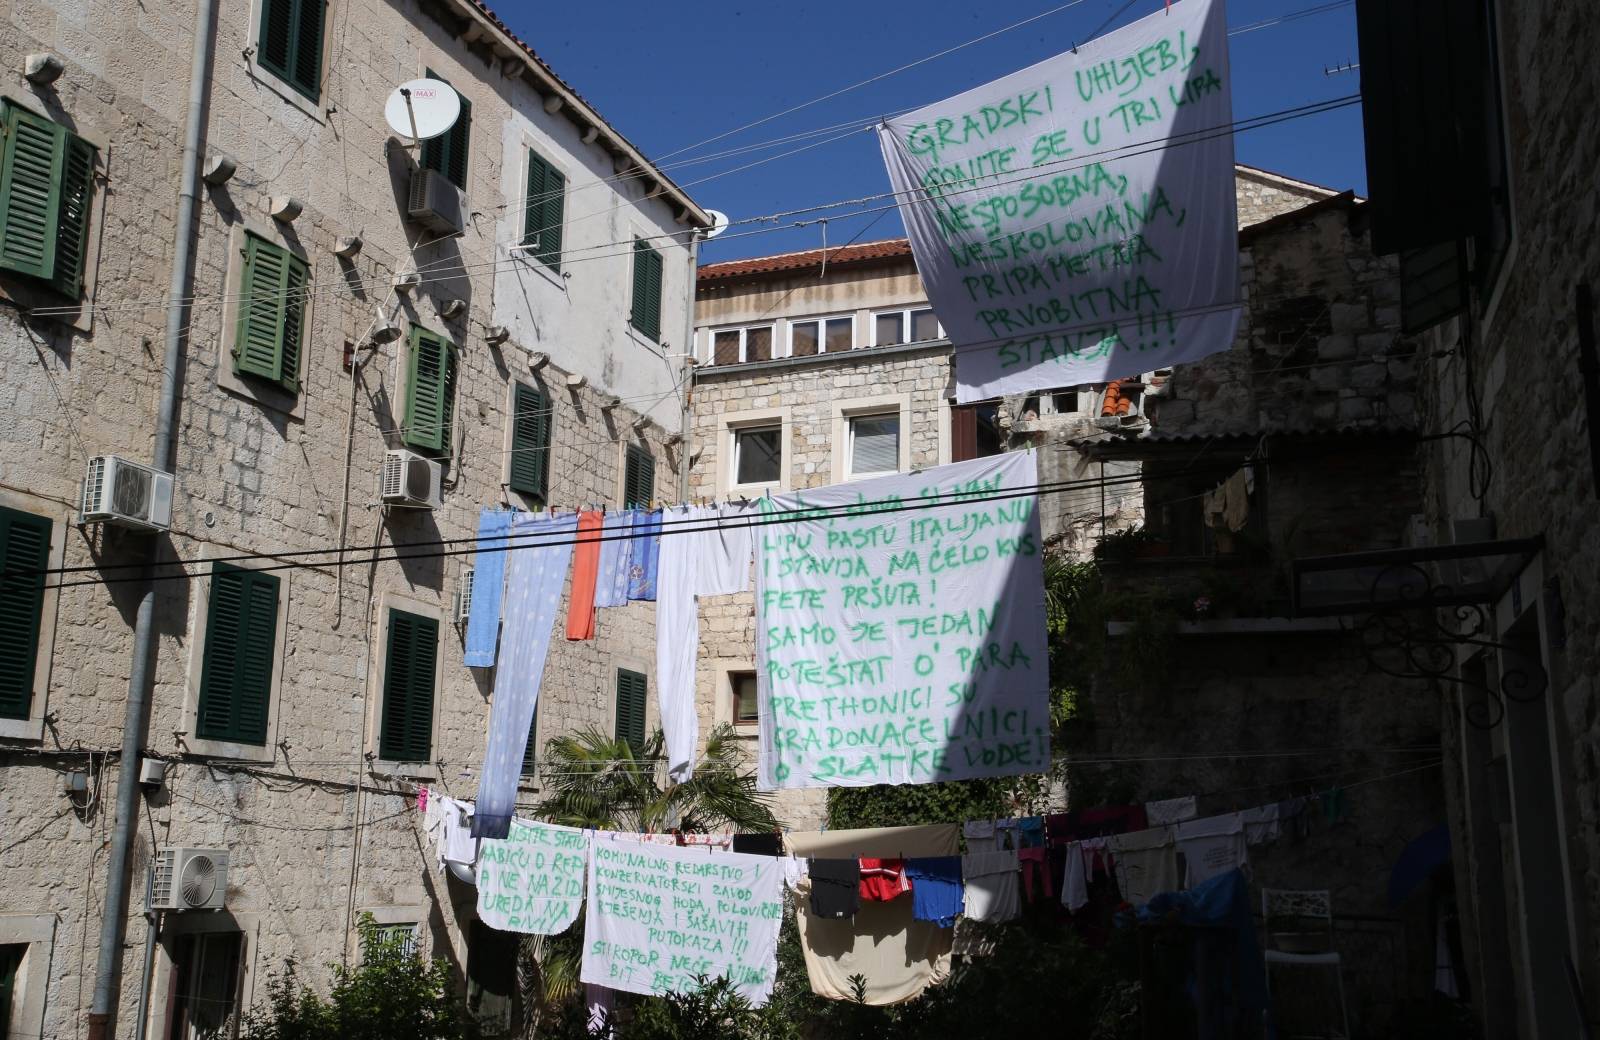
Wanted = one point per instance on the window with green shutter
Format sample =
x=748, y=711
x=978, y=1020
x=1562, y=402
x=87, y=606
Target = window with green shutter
x=269, y=341
x=447, y=153
x=639, y=480
x=24, y=548
x=546, y=209
x=430, y=391
x=406, y=729
x=239, y=656
x=530, y=753
x=646, y=289
x=291, y=43
x=531, y=423
x=46, y=188
x=631, y=690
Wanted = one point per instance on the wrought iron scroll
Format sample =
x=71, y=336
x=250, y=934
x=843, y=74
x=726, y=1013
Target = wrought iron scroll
x=1406, y=640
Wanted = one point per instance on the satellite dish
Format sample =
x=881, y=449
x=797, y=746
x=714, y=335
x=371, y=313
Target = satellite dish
x=422, y=108
x=719, y=222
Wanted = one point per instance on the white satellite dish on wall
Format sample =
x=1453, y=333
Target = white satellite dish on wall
x=719, y=222
x=422, y=108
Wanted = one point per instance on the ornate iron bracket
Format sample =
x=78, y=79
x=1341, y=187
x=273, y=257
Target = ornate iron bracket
x=1410, y=640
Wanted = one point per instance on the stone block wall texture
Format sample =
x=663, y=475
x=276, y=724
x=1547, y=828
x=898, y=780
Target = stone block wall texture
x=252, y=478
x=1517, y=366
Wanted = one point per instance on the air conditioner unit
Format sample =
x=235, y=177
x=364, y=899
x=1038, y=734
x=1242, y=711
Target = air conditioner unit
x=463, y=604
x=121, y=492
x=435, y=203
x=411, y=479
x=190, y=879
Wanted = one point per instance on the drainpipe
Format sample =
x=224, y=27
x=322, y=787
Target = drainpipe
x=135, y=721
x=686, y=426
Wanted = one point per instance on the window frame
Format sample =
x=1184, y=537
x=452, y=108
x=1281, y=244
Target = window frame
x=287, y=74
x=744, y=343
x=438, y=153
x=274, y=80
x=739, y=433
x=36, y=934
x=737, y=699
x=67, y=148
x=731, y=423
x=850, y=443
x=906, y=325
x=194, y=678
x=264, y=391
x=240, y=666
x=31, y=726
x=821, y=321
x=637, y=454
x=841, y=449
x=378, y=681
x=288, y=382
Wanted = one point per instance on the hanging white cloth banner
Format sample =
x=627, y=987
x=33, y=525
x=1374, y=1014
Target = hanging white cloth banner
x=1074, y=222
x=660, y=917
x=532, y=879
x=901, y=629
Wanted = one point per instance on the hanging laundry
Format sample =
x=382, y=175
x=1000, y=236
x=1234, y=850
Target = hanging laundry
x=1228, y=507
x=488, y=580
x=532, y=881
x=602, y=1004
x=708, y=555
x=991, y=885
x=1031, y=829
x=644, y=555
x=1211, y=846
x=769, y=844
x=795, y=870
x=1333, y=805
x=1170, y=810
x=1074, y=880
x=585, y=572
x=883, y=879
x=1293, y=816
x=1261, y=824
x=616, y=560
x=720, y=842
x=932, y=839
x=835, y=887
x=979, y=835
x=1007, y=835
x=449, y=823
x=1146, y=863
x=1035, y=863
x=898, y=955
x=935, y=889
x=534, y=577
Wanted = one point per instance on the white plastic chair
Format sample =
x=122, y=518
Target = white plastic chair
x=1299, y=927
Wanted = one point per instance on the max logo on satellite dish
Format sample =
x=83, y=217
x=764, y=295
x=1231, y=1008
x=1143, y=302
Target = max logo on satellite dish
x=422, y=109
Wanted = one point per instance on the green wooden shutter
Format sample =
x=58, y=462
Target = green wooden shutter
x=24, y=546
x=531, y=424
x=639, y=483
x=290, y=43
x=646, y=289
x=530, y=753
x=546, y=209
x=270, y=337
x=239, y=656
x=632, y=688
x=407, y=727
x=430, y=391
x=30, y=192
x=72, y=220
x=306, y=74
x=447, y=153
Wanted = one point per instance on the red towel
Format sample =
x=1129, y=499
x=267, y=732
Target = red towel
x=585, y=571
x=883, y=879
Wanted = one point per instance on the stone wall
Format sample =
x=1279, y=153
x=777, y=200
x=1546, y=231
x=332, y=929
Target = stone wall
x=254, y=475
x=1511, y=379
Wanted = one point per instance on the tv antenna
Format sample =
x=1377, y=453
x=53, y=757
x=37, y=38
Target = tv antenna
x=422, y=109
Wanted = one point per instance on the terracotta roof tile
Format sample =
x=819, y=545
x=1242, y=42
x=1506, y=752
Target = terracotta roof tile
x=863, y=252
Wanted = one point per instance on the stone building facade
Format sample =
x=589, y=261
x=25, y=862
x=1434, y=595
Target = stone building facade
x=1208, y=686
x=303, y=177
x=1500, y=280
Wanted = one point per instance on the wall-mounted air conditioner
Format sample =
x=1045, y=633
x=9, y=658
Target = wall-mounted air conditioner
x=411, y=479
x=126, y=493
x=463, y=603
x=435, y=203
x=190, y=879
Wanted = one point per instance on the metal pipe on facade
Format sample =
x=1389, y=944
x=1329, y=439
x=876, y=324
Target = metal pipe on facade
x=135, y=720
x=152, y=932
x=685, y=428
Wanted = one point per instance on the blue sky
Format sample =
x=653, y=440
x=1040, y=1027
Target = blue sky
x=669, y=76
